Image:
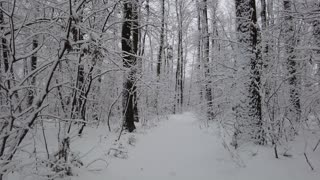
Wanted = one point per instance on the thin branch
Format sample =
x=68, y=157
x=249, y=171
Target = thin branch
x=309, y=163
x=110, y=109
x=315, y=147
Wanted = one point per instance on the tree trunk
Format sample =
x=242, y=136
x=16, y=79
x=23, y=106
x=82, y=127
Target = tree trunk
x=199, y=52
x=180, y=62
x=79, y=91
x=129, y=42
x=249, y=106
x=160, y=59
x=2, y=56
x=33, y=66
x=206, y=58
x=161, y=46
x=316, y=35
x=135, y=43
x=294, y=79
x=33, y=62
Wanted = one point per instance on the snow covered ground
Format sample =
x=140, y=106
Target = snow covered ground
x=180, y=150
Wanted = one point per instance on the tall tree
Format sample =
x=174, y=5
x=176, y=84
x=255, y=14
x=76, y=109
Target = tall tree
x=34, y=59
x=3, y=56
x=199, y=50
x=4, y=47
x=135, y=44
x=78, y=93
x=3, y=70
x=206, y=58
x=160, y=56
x=265, y=45
x=294, y=79
x=249, y=107
x=130, y=37
x=180, y=60
x=316, y=35
x=161, y=45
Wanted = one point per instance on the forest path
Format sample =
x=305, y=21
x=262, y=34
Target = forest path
x=178, y=149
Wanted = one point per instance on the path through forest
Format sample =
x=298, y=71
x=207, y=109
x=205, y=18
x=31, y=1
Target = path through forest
x=176, y=150
x=180, y=150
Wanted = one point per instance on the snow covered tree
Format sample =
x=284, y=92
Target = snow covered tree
x=179, y=86
x=206, y=57
x=316, y=35
x=161, y=45
x=129, y=43
x=293, y=66
x=248, y=107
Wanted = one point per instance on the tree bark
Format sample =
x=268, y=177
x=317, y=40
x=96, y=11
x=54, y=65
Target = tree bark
x=129, y=43
x=206, y=58
x=249, y=106
x=294, y=79
x=2, y=56
x=316, y=35
x=199, y=52
x=161, y=46
x=180, y=62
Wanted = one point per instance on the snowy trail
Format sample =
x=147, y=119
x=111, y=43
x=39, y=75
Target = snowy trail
x=180, y=150
x=177, y=150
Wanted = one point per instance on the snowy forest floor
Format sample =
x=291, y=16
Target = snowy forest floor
x=180, y=149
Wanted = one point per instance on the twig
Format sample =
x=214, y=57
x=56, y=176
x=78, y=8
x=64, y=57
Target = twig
x=90, y=163
x=110, y=109
x=305, y=155
x=123, y=120
x=276, y=151
x=314, y=149
x=45, y=139
x=122, y=128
